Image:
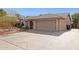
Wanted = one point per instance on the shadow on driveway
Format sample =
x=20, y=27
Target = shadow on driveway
x=47, y=33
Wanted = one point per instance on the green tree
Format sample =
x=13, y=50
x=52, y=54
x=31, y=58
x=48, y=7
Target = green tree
x=18, y=15
x=2, y=13
x=75, y=18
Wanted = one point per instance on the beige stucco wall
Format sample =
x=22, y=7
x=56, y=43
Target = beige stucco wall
x=62, y=25
x=28, y=23
x=57, y=25
x=34, y=25
x=67, y=20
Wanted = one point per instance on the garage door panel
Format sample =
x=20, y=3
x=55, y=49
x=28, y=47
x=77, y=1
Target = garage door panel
x=46, y=25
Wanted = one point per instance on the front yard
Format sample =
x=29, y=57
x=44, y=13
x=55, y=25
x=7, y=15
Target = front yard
x=41, y=40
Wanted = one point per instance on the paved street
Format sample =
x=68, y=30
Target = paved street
x=36, y=40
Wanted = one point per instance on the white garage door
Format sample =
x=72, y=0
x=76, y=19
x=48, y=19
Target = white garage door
x=46, y=25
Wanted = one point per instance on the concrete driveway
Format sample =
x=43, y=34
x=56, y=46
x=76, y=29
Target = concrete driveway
x=38, y=40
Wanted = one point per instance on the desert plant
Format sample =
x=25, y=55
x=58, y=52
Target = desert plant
x=8, y=21
x=24, y=28
x=75, y=18
x=2, y=13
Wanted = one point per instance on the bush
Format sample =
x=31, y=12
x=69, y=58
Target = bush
x=24, y=28
x=8, y=21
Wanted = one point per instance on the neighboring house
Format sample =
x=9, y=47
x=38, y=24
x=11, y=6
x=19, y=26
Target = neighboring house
x=49, y=22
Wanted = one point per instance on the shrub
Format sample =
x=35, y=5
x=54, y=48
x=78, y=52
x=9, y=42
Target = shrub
x=24, y=28
x=8, y=21
x=2, y=13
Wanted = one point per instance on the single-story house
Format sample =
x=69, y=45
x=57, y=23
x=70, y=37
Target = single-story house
x=49, y=22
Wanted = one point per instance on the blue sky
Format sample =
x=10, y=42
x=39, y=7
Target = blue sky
x=38, y=11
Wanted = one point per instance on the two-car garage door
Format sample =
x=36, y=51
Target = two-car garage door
x=46, y=25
